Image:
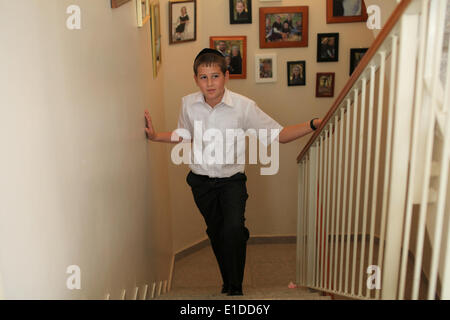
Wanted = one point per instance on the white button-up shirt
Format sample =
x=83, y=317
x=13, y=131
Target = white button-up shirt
x=233, y=112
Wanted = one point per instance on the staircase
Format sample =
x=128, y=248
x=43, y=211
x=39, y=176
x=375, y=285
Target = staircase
x=268, y=271
x=378, y=169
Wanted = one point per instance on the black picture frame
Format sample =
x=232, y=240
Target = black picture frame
x=326, y=52
x=245, y=16
x=292, y=80
x=356, y=55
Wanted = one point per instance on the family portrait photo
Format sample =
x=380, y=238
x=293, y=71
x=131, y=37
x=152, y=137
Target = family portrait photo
x=342, y=11
x=283, y=27
x=182, y=21
x=356, y=56
x=240, y=11
x=325, y=85
x=234, y=49
x=296, y=71
x=327, y=47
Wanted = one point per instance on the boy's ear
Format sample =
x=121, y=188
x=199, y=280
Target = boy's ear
x=227, y=75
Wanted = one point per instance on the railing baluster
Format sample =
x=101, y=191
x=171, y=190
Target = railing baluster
x=312, y=246
x=333, y=206
x=352, y=175
x=328, y=213
x=347, y=213
x=377, y=154
x=300, y=214
x=305, y=226
x=344, y=198
x=319, y=216
x=363, y=228
x=338, y=208
x=369, y=154
x=387, y=158
x=322, y=209
x=350, y=202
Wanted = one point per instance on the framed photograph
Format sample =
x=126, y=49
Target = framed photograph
x=325, y=85
x=355, y=57
x=342, y=11
x=327, y=47
x=118, y=3
x=265, y=68
x=156, y=36
x=182, y=21
x=296, y=73
x=240, y=11
x=234, y=49
x=283, y=27
x=142, y=12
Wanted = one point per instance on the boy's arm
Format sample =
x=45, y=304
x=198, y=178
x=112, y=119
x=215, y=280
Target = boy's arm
x=158, y=136
x=291, y=133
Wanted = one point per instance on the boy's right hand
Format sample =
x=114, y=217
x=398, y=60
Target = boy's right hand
x=149, y=131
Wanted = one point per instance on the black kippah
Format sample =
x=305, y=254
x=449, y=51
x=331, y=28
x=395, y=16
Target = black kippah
x=209, y=50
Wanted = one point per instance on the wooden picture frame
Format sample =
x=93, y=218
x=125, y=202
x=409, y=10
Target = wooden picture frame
x=356, y=55
x=240, y=11
x=182, y=21
x=234, y=48
x=275, y=33
x=296, y=73
x=325, y=84
x=155, y=26
x=345, y=11
x=327, y=47
x=265, y=68
x=117, y=3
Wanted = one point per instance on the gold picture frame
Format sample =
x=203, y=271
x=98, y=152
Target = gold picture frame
x=142, y=12
x=155, y=26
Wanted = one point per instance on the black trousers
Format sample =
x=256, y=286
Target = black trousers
x=221, y=202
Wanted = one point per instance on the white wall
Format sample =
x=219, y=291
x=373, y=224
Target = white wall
x=79, y=183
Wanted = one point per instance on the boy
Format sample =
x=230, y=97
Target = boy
x=219, y=190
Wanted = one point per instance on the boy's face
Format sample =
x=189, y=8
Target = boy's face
x=211, y=82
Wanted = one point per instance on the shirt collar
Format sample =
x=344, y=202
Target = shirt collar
x=226, y=99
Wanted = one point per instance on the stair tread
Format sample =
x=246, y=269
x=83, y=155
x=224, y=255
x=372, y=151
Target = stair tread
x=259, y=293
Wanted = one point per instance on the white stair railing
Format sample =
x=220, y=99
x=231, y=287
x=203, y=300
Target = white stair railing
x=373, y=202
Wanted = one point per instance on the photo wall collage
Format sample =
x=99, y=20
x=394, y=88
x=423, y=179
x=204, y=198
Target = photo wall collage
x=279, y=27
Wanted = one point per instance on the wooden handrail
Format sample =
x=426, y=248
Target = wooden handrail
x=389, y=26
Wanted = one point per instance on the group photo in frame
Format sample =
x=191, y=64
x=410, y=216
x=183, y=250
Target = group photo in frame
x=343, y=11
x=356, y=55
x=234, y=49
x=182, y=21
x=296, y=73
x=283, y=27
x=325, y=84
x=265, y=68
x=240, y=11
x=155, y=26
x=327, y=47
